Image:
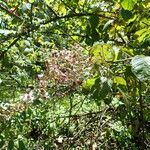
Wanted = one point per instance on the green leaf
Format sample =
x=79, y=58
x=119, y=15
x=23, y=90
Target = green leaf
x=141, y=67
x=94, y=21
x=116, y=102
x=101, y=88
x=119, y=80
x=128, y=4
x=31, y=1
x=87, y=85
x=48, y=1
x=127, y=51
x=6, y=32
x=2, y=143
x=102, y=53
x=21, y=146
x=10, y=145
x=126, y=14
x=62, y=9
x=26, y=6
x=1, y=81
x=108, y=23
x=92, y=31
x=143, y=34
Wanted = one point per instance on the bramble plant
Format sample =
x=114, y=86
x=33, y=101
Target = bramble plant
x=74, y=74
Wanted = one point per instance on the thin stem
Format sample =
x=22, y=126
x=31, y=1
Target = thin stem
x=141, y=117
x=76, y=15
x=10, y=12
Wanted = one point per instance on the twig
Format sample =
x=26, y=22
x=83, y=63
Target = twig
x=121, y=60
x=67, y=6
x=14, y=42
x=75, y=15
x=10, y=12
x=52, y=10
x=55, y=19
x=63, y=34
x=4, y=52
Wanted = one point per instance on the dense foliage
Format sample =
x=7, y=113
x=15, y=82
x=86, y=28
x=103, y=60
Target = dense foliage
x=74, y=74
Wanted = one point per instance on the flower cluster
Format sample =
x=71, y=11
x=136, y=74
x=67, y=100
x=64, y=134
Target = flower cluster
x=42, y=86
x=66, y=68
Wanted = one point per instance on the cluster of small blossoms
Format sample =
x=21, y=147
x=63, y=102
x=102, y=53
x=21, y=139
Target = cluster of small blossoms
x=28, y=96
x=42, y=87
x=67, y=67
x=64, y=68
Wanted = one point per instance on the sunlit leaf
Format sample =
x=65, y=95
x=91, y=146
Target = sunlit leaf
x=62, y=9
x=1, y=81
x=81, y=2
x=31, y=1
x=102, y=53
x=108, y=23
x=48, y=1
x=88, y=84
x=116, y=102
x=143, y=34
x=6, y=32
x=128, y=4
x=26, y=6
x=127, y=51
x=119, y=80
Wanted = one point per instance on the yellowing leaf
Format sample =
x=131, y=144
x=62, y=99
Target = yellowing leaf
x=127, y=51
x=101, y=53
x=119, y=80
x=88, y=84
x=75, y=37
x=62, y=9
x=31, y=1
x=143, y=34
x=81, y=2
x=139, y=32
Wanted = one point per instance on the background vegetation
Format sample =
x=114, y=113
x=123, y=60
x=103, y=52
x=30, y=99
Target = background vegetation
x=74, y=74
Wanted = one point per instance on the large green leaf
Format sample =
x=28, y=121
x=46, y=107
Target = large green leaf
x=126, y=14
x=141, y=67
x=128, y=4
x=102, y=53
